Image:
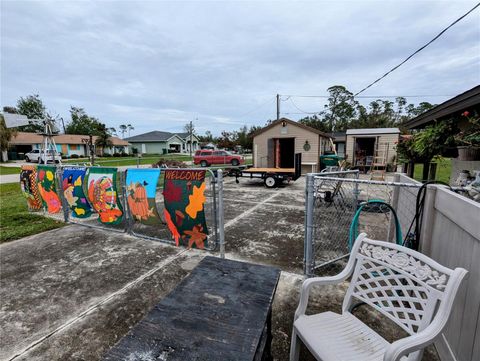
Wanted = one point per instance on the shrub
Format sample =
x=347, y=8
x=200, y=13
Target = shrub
x=123, y=154
x=74, y=156
x=107, y=155
x=169, y=163
x=117, y=154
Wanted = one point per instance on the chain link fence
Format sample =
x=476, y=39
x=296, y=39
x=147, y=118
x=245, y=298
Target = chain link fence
x=341, y=205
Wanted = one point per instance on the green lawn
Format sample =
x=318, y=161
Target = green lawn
x=444, y=168
x=15, y=219
x=125, y=161
x=9, y=170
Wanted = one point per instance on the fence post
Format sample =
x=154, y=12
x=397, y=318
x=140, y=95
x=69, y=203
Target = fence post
x=221, y=229
x=425, y=244
x=308, y=261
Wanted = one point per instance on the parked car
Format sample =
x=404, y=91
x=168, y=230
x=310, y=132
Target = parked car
x=207, y=157
x=39, y=157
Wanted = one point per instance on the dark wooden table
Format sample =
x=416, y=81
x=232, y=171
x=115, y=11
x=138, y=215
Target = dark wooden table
x=221, y=311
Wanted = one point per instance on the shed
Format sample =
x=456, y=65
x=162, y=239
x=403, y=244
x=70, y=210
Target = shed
x=364, y=145
x=275, y=145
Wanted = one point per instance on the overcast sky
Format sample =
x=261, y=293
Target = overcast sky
x=158, y=65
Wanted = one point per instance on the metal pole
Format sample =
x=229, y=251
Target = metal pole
x=308, y=261
x=221, y=221
x=278, y=106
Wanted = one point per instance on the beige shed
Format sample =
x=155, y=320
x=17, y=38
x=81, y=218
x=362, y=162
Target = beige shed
x=371, y=146
x=275, y=145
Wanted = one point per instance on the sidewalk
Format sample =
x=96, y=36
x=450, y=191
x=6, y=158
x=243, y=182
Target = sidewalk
x=9, y=178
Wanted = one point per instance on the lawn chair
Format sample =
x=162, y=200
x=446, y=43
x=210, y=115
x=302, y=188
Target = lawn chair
x=406, y=286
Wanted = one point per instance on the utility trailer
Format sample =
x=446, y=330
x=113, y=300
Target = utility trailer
x=271, y=177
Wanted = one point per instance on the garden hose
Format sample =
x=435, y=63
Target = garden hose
x=353, y=234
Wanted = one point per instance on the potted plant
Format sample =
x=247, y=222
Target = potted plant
x=468, y=140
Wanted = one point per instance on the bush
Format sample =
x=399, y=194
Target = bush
x=116, y=155
x=74, y=156
x=107, y=155
x=169, y=163
x=123, y=154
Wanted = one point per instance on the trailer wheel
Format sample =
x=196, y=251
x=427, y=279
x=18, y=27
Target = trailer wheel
x=270, y=181
x=204, y=163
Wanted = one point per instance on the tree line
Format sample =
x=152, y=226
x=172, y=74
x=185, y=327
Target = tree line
x=80, y=122
x=343, y=112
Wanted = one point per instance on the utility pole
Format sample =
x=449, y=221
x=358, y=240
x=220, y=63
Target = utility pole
x=191, y=137
x=278, y=106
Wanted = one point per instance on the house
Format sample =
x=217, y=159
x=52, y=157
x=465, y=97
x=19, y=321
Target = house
x=157, y=142
x=276, y=145
x=364, y=145
x=67, y=144
x=467, y=102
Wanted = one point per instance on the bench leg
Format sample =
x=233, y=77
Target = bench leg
x=294, y=346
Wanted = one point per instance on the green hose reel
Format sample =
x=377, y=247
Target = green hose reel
x=354, y=225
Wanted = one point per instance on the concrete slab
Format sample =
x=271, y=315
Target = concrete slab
x=72, y=293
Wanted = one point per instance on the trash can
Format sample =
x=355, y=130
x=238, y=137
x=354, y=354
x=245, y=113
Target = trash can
x=329, y=160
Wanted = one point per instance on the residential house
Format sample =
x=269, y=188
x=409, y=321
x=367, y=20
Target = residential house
x=67, y=144
x=157, y=142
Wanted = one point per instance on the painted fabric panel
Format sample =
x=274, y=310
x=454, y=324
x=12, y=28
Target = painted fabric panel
x=72, y=184
x=184, y=199
x=48, y=189
x=102, y=194
x=28, y=184
x=141, y=189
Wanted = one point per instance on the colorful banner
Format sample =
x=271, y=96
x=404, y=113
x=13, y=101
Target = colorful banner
x=184, y=198
x=102, y=194
x=141, y=189
x=28, y=184
x=48, y=189
x=72, y=185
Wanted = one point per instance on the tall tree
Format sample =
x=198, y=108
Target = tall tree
x=6, y=135
x=33, y=108
x=123, y=130
x=341, y=108
x=82, y=123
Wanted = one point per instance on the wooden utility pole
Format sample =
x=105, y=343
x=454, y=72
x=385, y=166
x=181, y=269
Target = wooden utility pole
x=191, y=138
x=278, y=106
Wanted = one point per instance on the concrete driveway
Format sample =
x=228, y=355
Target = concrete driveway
x=72, y=293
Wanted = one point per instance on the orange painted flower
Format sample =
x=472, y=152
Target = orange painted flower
x=196, y=236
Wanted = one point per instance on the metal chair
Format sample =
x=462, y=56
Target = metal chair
x=406, y=286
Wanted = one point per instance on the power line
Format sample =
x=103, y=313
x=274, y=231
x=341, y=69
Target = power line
x=419, y=50
x=372, y=96
x=303, y=111
x=271, y=100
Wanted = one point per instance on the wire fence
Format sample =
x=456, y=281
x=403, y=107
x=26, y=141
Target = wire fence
x=340, y=206
x=159, y=230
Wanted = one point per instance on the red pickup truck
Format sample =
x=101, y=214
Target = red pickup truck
x=207, y=157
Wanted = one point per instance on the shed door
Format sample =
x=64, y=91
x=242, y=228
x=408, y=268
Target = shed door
x=270, y=153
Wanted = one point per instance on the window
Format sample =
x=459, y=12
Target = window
x=206, y=153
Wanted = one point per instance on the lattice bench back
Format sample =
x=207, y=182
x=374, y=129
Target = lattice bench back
x=404, y=285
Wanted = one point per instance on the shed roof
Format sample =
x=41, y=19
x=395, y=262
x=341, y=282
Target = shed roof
x=34, y=138
x=457, y=104
x=373, y=131
x=306, y=127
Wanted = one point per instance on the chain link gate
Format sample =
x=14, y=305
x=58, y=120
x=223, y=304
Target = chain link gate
x=333, y=200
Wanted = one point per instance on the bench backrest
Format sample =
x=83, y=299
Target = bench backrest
x=404, y=285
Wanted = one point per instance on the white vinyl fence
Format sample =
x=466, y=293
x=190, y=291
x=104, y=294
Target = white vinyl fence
x=451, y=236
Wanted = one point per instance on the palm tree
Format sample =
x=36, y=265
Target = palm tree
x=103, y=139
x=129, y=126
x=123, y=129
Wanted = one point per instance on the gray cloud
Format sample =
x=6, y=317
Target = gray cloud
x=158, y=65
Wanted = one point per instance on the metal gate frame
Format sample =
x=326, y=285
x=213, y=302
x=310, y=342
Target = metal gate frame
x=310, y=264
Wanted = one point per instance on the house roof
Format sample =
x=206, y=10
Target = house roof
x=373, y=131
x=288, y=121
x=338, y=136
x=34, y=138
x=156, y=136
x=457, y=104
